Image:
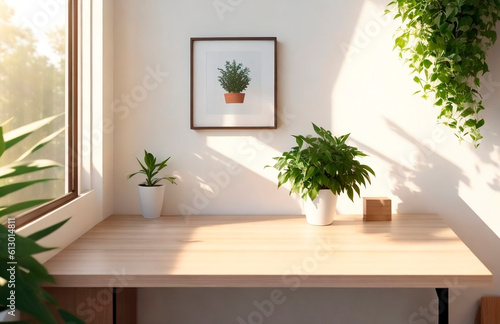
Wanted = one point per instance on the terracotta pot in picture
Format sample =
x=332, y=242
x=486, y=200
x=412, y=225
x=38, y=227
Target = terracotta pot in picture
x=233, y=97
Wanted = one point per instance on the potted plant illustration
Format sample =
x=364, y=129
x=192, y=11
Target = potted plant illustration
x=320, y=168
x=234, y=78
x=151, y=191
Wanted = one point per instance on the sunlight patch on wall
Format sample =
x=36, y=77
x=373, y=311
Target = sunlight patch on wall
x=248, y=151
x=482, y=193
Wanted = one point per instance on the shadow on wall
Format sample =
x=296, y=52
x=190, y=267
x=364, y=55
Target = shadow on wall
x=416, y=184
x=436, y=180
x=432, y=181
x=218, y=186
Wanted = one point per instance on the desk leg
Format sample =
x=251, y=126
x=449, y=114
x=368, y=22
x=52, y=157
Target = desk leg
x=114, y=305
x=442, y=294
x=124, y=305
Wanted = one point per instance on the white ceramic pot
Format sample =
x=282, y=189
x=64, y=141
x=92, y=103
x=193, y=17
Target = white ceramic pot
x=151, y=200
x=321, y=210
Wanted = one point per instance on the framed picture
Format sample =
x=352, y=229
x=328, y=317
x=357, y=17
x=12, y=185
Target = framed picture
x=233, y=83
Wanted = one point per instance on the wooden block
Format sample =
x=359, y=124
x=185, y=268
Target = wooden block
x=377, y=209
x=489, y=311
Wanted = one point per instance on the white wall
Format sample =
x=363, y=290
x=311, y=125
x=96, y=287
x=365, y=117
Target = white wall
x=336, y=68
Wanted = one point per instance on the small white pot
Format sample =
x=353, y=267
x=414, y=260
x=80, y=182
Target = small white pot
x=321, y=210
x=151, y=200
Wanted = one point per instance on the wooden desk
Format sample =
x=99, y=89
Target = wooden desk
x=418, y=251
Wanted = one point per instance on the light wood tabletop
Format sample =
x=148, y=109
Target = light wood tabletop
x=417, y=250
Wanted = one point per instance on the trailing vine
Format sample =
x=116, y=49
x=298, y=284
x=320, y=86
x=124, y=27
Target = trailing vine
x=445, y=42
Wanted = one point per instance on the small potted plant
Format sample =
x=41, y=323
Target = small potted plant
x=234, y=78
x=151, y=192
x=320, y=168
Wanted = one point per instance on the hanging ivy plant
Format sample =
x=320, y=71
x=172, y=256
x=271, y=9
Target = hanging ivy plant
x=445, y=42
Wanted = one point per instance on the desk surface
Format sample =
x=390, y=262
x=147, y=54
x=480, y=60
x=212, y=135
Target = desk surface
x=268, y=251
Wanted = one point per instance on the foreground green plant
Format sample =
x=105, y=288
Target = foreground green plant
x=150, y=169
x=23, y=165
x=445, y=42
x=322, y=162
x=21, y=274
x=234, y=77
x=25, y=290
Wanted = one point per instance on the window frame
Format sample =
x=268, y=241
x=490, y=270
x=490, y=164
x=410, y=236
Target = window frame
x=72, y=118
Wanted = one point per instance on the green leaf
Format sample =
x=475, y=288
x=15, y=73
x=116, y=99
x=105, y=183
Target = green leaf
x=17, y=135
x=36, y=269
x=369, y=169
x=311, y=171
x=47, y=297
x=170, y=179
x=69, y=318
x=43, y=142
x=28, y=300
x=350, y=193
x=437, y=20
x=450, y=11
x=470, y=123
x=420, y=49
x=2, y=142
x=8, y=189
x=400, y=42
x=318, y=130
x=492, y=35
x=299, y=141
x=24, y=246
x=7, y=210
x=47, y=231
x=22, y=167
x=467, y=112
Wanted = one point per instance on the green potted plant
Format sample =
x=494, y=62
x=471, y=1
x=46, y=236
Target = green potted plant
x=445, y=45
x=320, y=168
x=234, y=78
x=151, y=191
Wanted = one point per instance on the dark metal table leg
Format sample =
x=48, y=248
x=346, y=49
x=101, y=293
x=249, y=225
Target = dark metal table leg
x=114, y=305
x=443, y=296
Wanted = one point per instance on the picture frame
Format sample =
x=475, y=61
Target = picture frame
x=222, y=66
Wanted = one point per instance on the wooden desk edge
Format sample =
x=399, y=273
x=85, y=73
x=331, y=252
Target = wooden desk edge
x=263, y=281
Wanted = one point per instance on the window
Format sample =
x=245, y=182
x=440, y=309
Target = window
x=38, y=107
